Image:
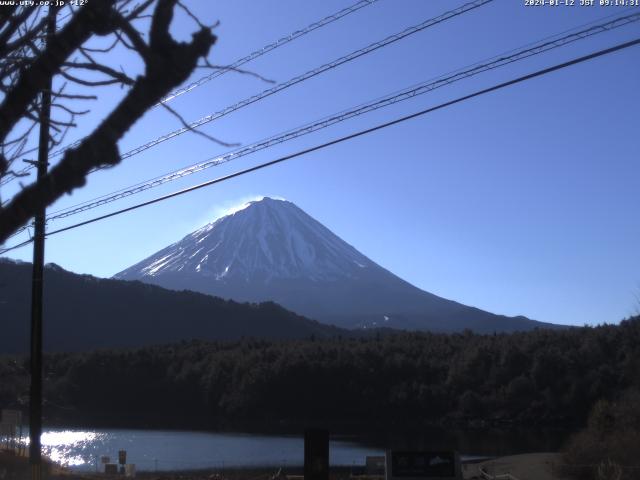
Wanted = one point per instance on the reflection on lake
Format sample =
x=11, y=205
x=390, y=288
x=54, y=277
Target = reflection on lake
x=81, y=449
x=64, y=446
x=178, y=450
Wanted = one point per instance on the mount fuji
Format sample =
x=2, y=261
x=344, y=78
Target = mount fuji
x=271, y=250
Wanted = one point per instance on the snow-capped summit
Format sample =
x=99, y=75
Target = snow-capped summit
x=265, y=240
x=271, y=250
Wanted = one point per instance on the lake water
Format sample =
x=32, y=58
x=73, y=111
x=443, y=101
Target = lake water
x=81, y=449
x=178, y=450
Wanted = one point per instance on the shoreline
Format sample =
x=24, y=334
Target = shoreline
x=291, y=426
x=527, y=466
x=473, y=447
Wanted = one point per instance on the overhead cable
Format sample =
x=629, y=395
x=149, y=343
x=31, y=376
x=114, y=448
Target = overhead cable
x=233, y=66
x=268, y=48
x=360, y=133
x=308, y=75
x=391, y=99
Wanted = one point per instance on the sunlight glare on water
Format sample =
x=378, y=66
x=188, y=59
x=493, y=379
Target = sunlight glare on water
x=178, y=450
x=61, y=446
x=56, y=438
x=69, y=447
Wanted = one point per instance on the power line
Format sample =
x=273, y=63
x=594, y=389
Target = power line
x=360, y=133
x=9, y=178
x=308, y=75
x=406, y=94
x=295, y=80
x=425, y=87
x=268, y=48
x=15, y=247
x=235, y=65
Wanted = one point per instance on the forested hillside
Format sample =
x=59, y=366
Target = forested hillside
x=533, y=378
x=83, y=313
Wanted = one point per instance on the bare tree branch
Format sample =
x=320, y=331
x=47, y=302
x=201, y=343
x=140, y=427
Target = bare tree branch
x=186, y=125
x=89, y=83
x=27, y=37
x=14, y=23
x=77, y=96
x=68, y=110
x=92, y=18
x=100, y=50
x=137, y=42
x=118, y=76
x=168, y=64
x=207, y=64
x=138, y=10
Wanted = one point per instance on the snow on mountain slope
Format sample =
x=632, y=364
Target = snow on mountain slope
x=272, y=250
x=265, y=240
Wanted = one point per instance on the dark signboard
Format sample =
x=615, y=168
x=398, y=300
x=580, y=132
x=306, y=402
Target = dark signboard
x=425, y=465
x=375, y=465
x=316, y=454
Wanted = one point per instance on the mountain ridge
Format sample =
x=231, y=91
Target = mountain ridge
x=272, y=250
x=83, y=312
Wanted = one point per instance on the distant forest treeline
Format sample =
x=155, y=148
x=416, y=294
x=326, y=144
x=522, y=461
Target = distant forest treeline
x=535, y=378
x=82, y=312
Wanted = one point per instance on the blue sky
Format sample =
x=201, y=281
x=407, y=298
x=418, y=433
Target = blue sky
x=520, y=202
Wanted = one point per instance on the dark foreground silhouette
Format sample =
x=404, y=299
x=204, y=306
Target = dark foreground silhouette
x=536, y=378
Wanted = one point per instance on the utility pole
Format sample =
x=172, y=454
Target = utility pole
x=35, y=392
